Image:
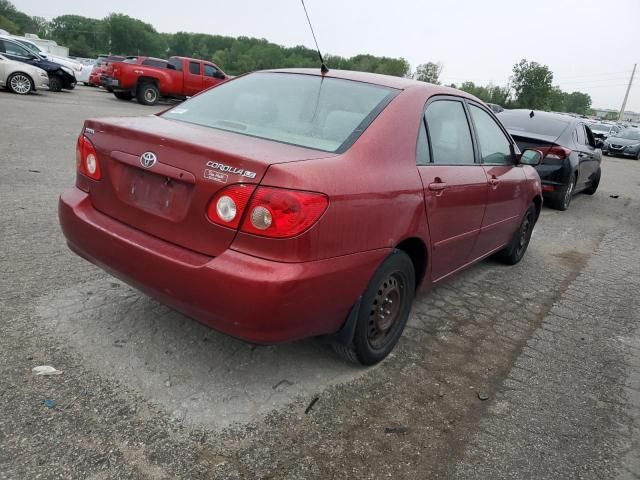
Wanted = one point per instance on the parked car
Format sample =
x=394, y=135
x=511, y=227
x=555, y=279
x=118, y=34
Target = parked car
x=85, y=74
x=21, y=78
x=60, y=77
x=604, y=130
x=70, y=63
x=273, y=221
x=180, y=78
x=571, y=154
x=626, y=143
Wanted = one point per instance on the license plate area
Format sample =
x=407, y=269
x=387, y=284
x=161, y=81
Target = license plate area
x=156, y=194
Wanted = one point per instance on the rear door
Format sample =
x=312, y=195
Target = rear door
x=193, y=78
x=455, y=186
x=505, y=196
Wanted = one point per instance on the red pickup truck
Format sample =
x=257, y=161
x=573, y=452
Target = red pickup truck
x=180, y=77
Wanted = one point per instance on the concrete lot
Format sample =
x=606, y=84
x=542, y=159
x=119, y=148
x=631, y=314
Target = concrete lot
x=148, y=393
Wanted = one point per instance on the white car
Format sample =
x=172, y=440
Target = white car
x=83, y=76
x=21, y=78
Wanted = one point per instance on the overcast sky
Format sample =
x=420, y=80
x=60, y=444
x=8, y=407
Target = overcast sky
x=590, y=45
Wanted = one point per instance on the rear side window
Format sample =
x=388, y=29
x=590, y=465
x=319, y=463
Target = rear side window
x=194, y=68
x=210, y=71
x=449, y=133
x=176, y=64
x=580, y=135
x=495, y=148
x=422, y=149
x=326, y=114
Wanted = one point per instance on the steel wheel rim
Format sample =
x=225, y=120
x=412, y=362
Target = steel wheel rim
x=20, y=84
x=525, y=233
x=386, y=310
x=150, y=95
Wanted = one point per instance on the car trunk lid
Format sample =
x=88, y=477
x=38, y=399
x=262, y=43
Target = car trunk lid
x=168, y=197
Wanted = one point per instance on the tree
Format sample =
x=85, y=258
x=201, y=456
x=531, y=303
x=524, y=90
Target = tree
x=428, y=72
x=531, y=83
x=578, y=102
x=490, y=93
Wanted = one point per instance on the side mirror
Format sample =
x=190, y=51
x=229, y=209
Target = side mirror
x=531, y=157
x=599, y=143
x=219, y=75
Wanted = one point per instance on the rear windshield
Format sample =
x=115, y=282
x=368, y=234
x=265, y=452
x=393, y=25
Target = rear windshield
x=326, y=114
x=600, y=127
x=539, y=124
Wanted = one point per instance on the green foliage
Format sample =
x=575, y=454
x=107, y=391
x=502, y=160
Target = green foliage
x=489, y=94
x=578, y=102
x=8, y=25
x=531, y=83
x=16, y=21
x=428, y=72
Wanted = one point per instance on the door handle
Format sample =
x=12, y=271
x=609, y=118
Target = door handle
x=437, y=186
x=494, y=181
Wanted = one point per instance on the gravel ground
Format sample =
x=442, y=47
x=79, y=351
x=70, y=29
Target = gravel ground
x=147, y=393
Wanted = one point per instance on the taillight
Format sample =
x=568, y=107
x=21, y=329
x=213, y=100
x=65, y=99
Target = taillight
x=556, y=154
x=87, y=159
x=280, y=213
x=228, y=205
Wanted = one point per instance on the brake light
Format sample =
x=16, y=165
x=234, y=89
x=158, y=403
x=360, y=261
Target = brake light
x=87, y=159
x=280, y=213
x=227, y=206
x=557, y=153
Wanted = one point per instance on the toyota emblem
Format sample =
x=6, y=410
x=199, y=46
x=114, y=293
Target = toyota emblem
x=148, y=159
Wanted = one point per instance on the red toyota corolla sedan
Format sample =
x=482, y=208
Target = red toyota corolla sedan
x=288, y=204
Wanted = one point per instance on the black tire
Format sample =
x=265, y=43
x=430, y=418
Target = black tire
x=638, y=155
x=383, y=311
x=55, y=83
x=123, y=95
x=20, y=83
x=517, y=247
x=148, y=94
x=562, y=201
x=593, y=186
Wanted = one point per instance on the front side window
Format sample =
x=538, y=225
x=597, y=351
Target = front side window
x=326, y=114
x=194, y=68
x=210, y=71
x=449, y=133
x=495, y=148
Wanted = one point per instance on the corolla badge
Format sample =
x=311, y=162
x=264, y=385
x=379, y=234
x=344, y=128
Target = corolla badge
x=227, y=168
x=148, y=159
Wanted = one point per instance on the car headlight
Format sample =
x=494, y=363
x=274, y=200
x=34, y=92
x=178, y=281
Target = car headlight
x=44, y=75
x=67, y=69
x=77, y=68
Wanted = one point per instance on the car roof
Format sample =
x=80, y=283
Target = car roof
x=399, y=83
x=541, y=114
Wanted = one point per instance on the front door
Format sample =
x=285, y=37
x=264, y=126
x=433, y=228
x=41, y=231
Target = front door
x=455, y=186
x=506, y=201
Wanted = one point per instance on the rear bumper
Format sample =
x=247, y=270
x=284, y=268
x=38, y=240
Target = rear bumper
x=109, y=82
x=258, y=300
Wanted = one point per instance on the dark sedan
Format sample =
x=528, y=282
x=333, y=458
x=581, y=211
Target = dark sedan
x=572, y=155
x=625, y=143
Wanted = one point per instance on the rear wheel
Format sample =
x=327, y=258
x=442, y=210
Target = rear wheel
x=638, y=155
x=563, y=201
x=55, y=83
x=123, y=95
x=520, y=240
x=593, y=186
x=20, y=83
x=383, y=311
x=148, y=94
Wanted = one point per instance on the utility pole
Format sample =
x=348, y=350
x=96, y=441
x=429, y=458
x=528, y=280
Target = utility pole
x=626, y=95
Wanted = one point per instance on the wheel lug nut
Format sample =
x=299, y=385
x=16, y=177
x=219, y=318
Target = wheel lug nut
x=387, y=312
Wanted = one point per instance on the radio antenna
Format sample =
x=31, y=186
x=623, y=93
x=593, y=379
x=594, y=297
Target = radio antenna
x=323, y=67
